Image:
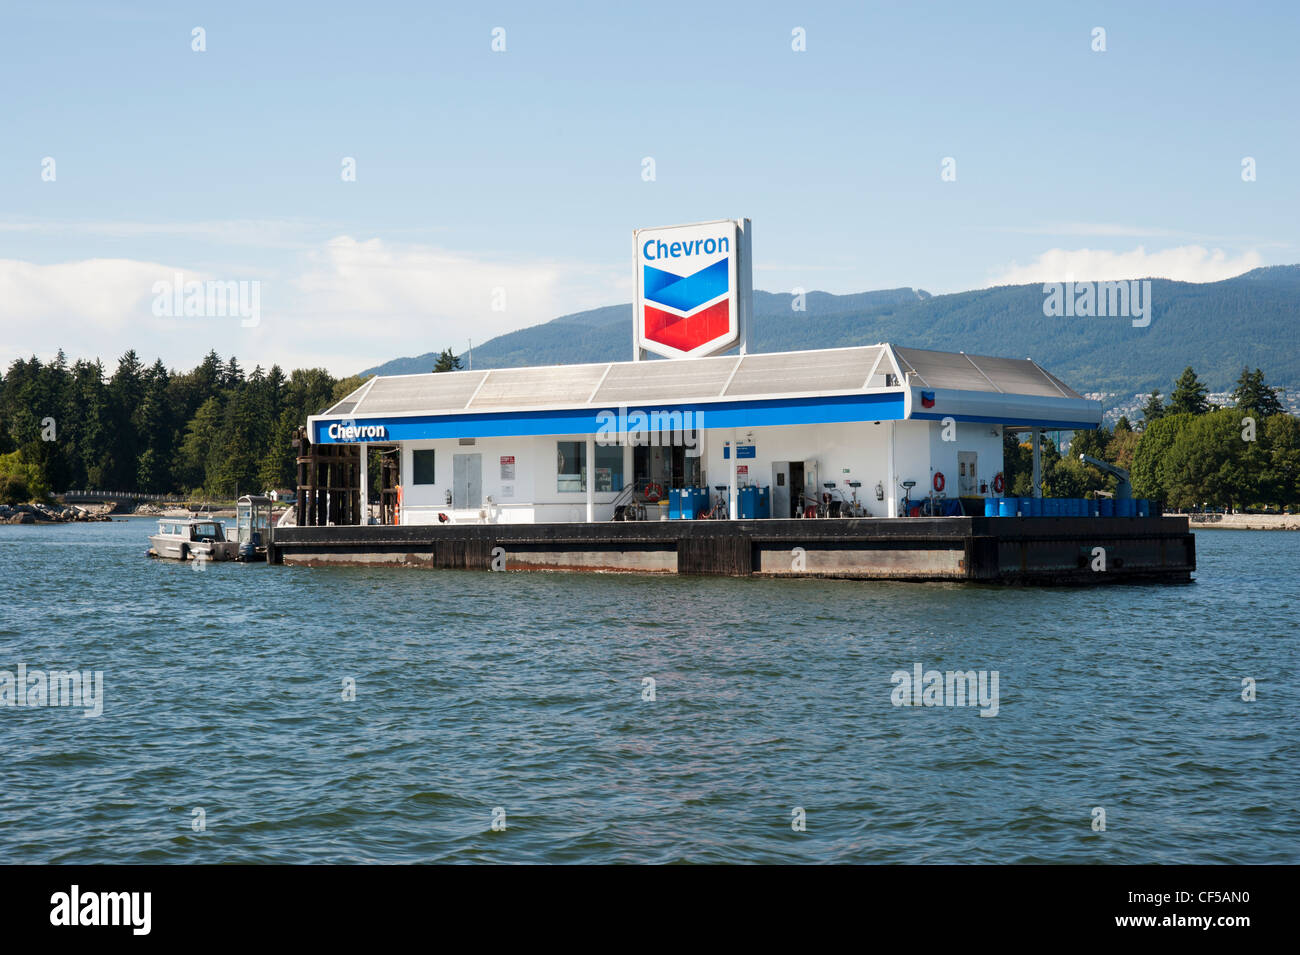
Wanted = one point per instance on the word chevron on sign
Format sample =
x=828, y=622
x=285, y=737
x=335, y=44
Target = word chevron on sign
x=693, y=288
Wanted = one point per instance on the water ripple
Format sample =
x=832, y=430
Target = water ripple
x=517, y=699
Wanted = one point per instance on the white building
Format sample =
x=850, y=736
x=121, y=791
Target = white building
x=570, y=442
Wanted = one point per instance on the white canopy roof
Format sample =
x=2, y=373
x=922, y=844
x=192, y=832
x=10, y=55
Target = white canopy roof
x=817, y=373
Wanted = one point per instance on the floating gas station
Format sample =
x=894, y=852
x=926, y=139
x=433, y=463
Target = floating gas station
x=700, y=456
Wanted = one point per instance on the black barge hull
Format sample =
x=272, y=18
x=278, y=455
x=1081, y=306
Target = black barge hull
x=1008, y=550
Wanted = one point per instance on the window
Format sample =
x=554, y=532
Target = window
x=422, y=465
x=609, y=467
x=570, y=466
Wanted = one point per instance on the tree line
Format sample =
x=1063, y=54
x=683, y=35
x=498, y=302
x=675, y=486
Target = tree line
x=216, y=431
x=213, y=431
x=1184, y=451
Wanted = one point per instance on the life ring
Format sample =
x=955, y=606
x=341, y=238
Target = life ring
x=939, y=482
x=654, y=493
x=397, y=508
x=998, y=483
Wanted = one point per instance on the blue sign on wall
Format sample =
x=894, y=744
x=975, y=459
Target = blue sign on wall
x=742, y=451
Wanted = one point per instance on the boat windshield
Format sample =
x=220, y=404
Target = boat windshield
x=207, y=529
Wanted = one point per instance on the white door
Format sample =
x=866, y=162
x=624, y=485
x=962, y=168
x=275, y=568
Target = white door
x=467, y=480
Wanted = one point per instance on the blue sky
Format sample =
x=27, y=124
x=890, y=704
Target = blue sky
x=522, y=170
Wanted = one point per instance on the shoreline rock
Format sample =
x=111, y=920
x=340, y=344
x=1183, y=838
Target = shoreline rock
x=53, y=514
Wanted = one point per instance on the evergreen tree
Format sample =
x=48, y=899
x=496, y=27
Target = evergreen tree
x=1252, y=394
x=202, y=437
x=447, y=362
x=89, y=427
x=232, y=376
x=125, y=390
x=1189, y=395
x=157, y=435
x=1154, y=409
x=278, y=467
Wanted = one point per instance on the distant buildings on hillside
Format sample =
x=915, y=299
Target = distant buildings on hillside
x=1131, y=406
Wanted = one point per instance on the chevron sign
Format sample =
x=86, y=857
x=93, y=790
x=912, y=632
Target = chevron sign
x=689, y=287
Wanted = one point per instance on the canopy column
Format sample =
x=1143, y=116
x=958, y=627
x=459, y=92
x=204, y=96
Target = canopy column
x=591, y=478
x=365, y=482
x=731, y=491
x=1038, y=462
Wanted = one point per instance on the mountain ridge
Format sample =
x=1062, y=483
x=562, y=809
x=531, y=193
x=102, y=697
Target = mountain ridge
x=1218, y=328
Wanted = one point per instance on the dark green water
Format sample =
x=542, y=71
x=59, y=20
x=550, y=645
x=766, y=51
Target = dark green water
x=223, y=691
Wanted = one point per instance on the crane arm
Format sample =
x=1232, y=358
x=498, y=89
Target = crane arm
x=1124, y=488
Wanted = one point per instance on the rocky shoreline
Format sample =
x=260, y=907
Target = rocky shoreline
x=1245, y=522
x=54, y=513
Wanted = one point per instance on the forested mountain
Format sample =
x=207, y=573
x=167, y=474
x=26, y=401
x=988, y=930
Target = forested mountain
x=1219, y=327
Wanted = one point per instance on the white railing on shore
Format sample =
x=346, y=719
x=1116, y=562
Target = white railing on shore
x=122, y=496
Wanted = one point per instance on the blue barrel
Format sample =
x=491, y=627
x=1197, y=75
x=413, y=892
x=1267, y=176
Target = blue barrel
x=1125, y=508
x=764, y=502
x=1033, y=507
x=1006, y=507
x=990, y=507
x=1051, y=507
x=1143, y=507
x=1077, y=507
x=1107, y=508
x=1094, y=507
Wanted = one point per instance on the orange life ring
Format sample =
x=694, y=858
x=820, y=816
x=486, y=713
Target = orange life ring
x=653, y=492
x=938, y=482
x=998, y=483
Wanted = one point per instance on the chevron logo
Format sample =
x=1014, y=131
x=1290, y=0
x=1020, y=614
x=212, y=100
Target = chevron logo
x=689, y=283
x=685, y=314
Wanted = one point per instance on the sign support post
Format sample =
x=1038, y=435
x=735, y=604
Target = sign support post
x=745, y=279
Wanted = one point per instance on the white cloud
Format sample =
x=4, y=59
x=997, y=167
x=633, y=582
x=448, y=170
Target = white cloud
x=1187, y=263
x=417, y=298
x=345, y=304
x=93, y=301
